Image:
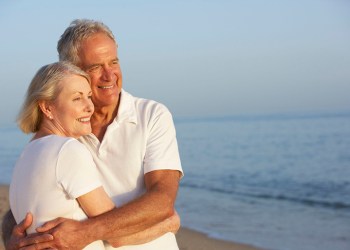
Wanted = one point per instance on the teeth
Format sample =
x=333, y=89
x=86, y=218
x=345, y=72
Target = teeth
x=84, y=119
x=106, y=87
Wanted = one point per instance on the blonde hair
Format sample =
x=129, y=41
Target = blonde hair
x=80, y=29
x=44, y=87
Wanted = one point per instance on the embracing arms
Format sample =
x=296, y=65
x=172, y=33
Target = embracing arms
x=152, y=211
x=139, y=221
x=155, y=206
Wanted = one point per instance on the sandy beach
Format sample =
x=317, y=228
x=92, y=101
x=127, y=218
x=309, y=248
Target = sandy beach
x=4, y=206
x=187, y=239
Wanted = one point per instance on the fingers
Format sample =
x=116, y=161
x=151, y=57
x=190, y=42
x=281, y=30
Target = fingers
x=21, y=227
x=19, y=239
x=36, y=239
x=39, y=247
x=49, y=225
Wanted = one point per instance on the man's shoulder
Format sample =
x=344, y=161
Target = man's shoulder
x=145, y=110
x=149, y=104
x=145, y=105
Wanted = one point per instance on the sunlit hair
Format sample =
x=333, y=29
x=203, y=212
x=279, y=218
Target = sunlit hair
x=45, y=86
x=80, y=29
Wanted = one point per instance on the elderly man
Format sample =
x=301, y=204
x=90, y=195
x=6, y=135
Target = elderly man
x=133, y=143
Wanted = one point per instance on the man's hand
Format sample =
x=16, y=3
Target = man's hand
x=19, y=239
x=67, y=233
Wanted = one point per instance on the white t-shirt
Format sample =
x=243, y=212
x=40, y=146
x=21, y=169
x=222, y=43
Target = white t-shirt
x=50, y=174
x=141, y=139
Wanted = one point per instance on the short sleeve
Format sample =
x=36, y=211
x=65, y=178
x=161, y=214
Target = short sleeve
x=162, y=149
x=75, y=170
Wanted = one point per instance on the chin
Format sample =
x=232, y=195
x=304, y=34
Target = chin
x=86, y=132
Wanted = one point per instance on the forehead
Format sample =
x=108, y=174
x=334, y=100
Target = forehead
x=97, y=48
x=74, y=83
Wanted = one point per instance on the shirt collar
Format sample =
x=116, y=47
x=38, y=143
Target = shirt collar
x=126, y=110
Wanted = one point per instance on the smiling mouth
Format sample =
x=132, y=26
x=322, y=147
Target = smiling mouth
x=84, y=119
x=106, y=87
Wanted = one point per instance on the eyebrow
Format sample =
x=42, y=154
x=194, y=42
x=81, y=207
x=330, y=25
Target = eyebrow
x=99, y=64
x=92, y=66
x=81, y=93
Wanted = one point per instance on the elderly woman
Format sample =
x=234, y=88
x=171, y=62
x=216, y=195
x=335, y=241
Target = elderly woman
x=55, y=175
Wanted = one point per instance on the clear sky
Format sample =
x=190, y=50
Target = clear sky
x=198, y=57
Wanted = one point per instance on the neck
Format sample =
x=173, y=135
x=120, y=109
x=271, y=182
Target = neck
x=101, y=118
x=104, y=115
x=45, y=129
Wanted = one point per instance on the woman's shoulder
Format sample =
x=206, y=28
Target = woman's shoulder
x=73, y=148
x=59, y=144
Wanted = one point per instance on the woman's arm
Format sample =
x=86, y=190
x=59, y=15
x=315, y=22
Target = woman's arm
x=95, y=202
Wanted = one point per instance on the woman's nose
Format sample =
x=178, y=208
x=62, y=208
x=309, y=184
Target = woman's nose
x=89, y=106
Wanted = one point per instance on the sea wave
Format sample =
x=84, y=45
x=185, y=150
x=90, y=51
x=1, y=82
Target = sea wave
x=263, y=117
x=307, y=201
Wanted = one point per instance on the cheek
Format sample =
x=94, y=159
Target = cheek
x=118, y=73
x=94, y=80
x=67, y=120
x=70, y=114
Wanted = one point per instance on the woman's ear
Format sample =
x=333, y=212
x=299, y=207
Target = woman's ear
x=46, y=109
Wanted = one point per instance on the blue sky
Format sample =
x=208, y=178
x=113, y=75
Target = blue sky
x=198, y=57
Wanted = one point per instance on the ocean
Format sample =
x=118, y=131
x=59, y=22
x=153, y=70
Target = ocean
x=279, y=182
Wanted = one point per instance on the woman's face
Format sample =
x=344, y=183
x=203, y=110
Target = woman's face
x=73, y=108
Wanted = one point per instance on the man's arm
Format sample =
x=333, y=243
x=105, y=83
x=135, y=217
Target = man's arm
x=15, y=237
x=171, y=224
x=155, y=206
x=154, y=209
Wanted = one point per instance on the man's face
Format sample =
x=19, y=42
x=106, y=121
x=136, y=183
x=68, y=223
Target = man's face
x=99, y=58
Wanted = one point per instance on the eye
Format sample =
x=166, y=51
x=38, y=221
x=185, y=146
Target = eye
x=76, y=99
x=115, y=62
x=90, y=97
x=93, y=68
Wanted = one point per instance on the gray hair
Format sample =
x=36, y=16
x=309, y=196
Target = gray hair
x=44, y=87
x=80, y=29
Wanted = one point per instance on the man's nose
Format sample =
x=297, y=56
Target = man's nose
x=107, y=73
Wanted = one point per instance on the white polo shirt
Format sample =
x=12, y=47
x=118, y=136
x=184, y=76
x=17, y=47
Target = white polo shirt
x=141, y=139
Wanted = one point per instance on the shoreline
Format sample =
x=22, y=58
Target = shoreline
x=187, y=239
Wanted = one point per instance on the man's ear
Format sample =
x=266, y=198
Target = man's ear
x=46, y=109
